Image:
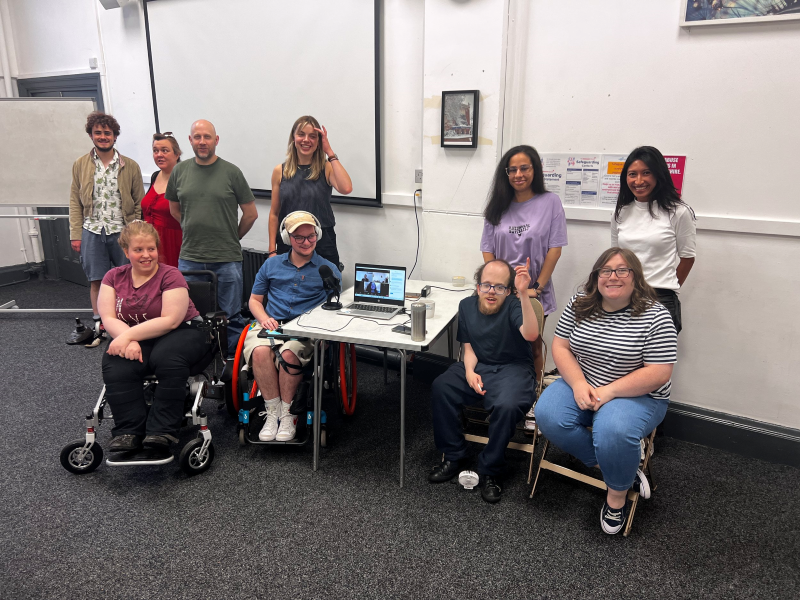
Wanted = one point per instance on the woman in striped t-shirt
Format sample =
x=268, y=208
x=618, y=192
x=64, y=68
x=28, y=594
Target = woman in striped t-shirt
x=615, y=347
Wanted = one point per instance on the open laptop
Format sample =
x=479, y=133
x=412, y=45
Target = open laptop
x=379, y=292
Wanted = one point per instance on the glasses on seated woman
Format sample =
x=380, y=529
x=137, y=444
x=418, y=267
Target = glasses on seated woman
x=606, y=272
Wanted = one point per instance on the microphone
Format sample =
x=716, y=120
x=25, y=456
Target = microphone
x=331, y=285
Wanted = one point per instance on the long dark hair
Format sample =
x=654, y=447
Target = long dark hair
x=590, y=304
x=501, y=194
x=664, y=194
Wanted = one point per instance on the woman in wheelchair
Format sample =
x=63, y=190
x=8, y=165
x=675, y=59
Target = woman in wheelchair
x=146, y=309
x=615, y=347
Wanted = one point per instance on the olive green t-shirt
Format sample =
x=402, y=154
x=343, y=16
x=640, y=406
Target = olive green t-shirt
x=209, y=196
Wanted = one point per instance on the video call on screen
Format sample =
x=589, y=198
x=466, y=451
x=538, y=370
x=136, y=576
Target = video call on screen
x=378, y=283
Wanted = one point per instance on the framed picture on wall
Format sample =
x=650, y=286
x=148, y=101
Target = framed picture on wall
x=725, y=12
x=460, y=119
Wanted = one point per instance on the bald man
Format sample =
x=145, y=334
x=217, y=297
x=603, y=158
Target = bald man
x=205, y=195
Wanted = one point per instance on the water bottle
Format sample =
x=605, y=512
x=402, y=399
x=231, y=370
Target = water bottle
x=418, y=321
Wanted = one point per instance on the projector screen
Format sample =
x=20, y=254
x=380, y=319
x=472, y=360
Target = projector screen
x=252, y=67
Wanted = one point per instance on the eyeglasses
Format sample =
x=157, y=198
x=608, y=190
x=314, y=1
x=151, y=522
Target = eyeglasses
x=302, y=238
x=522, y=169
x=622, y=272
x=500, y=289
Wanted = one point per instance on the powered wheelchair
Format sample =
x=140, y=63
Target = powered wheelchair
x=206, y=382
x=337, y=374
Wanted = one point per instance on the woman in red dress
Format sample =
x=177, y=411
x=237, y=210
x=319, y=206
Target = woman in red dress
x=155, y=207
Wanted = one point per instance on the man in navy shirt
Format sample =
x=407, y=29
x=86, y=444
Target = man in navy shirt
x=496, y=330
x=292, y=286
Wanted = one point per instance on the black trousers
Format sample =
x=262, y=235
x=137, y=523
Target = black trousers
x=510, y=392
x=170, y=357
x=669, y=298
x=326, y=246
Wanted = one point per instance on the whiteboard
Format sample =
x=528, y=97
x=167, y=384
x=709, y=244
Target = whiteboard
x=42, y=138
x=252, y=67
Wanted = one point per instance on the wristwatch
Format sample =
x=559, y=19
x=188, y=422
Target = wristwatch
x=535, y=287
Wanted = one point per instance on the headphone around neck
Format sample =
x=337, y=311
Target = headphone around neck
x=286, y=236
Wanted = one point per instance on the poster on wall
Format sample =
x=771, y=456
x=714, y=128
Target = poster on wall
x=677, y=168
x=574, y=177
x=721, y=12
x=610, y=170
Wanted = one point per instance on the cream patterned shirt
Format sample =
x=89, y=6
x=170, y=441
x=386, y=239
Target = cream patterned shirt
x=106, y=199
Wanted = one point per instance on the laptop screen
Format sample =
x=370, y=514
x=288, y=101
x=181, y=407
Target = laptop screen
x=380, y=284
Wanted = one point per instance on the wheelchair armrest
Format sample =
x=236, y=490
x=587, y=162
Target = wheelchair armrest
x=218, y=314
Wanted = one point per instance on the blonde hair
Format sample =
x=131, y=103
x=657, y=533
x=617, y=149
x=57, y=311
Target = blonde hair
x=135, y=228
x=317, y=160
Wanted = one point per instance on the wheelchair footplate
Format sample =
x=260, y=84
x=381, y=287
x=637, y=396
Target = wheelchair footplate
x=143, y=457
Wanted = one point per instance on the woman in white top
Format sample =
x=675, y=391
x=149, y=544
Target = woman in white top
x=653, y=221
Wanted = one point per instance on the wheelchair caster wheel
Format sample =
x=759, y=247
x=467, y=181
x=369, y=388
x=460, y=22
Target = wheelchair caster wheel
x=323, y=438
x=242, y=440
x=192, y=462
x=79, y=461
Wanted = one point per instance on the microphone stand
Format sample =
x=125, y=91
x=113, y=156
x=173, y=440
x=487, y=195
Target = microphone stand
x=330, y=304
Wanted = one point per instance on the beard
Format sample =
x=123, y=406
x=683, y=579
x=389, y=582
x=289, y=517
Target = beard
x=107, y=148
x=487, y=309
x=204, y=155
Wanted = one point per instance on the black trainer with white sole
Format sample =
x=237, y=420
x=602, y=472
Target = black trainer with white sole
x=613, y=519
x=641, y=485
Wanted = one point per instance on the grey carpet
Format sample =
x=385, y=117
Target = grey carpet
x=261, y=524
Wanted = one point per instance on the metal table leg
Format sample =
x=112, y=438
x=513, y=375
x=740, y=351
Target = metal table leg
x=317, y=382
x=402, y=416
x=450, y=338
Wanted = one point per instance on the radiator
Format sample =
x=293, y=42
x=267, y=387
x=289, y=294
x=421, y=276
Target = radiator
x=251, y=263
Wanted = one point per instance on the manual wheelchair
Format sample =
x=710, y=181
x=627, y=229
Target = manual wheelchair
x=206, y=381
x=338, y=375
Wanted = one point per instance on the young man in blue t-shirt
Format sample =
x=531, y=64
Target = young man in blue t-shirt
x=292, y=285
x=496, y=330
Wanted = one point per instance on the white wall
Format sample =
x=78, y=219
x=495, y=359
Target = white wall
x=738, y=350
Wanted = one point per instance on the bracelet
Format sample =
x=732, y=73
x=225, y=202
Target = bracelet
x=333, y=158
x=271, y=252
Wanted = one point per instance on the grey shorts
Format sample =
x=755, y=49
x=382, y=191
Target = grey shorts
x=303, y=350
x=100, y=253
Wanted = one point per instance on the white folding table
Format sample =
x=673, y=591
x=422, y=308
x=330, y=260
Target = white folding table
x=323, y=325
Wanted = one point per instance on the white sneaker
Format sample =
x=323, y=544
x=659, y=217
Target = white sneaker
x=270, y=428
x=288, y=424
x=641, y=485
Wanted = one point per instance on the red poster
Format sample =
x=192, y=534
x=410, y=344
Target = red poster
x=677, y=168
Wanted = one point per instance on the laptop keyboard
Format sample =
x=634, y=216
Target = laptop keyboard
x=375, y=308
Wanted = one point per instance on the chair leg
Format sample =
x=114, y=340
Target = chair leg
x=629, y=524
x=539, y=470
x=533, y=453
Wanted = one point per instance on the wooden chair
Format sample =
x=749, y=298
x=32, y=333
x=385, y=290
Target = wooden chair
x=477, y=415
x=633, y=496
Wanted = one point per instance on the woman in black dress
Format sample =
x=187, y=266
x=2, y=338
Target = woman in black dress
x=305, y=182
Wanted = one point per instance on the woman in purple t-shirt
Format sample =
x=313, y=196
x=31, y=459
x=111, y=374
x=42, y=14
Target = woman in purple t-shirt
x=145, y=307
x=522, y=220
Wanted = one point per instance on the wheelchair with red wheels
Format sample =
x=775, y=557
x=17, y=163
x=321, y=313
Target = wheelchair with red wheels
x=339, y=376
x=206, y=382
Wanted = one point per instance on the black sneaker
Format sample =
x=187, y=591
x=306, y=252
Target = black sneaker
x=641, y=485
x=125, y=443
x=158, y=441
x=444, y=471
x=491, y=491
x=613, y=519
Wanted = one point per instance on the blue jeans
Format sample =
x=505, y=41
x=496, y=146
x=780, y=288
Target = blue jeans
x=617, y=427
x=229, y=293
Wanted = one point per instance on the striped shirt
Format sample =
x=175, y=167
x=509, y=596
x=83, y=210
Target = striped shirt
x=616, y=343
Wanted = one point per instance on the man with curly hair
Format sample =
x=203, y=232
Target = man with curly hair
x=106, y=195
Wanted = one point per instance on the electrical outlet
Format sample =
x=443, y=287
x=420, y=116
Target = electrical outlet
x=92, y=63
x=418, y=176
